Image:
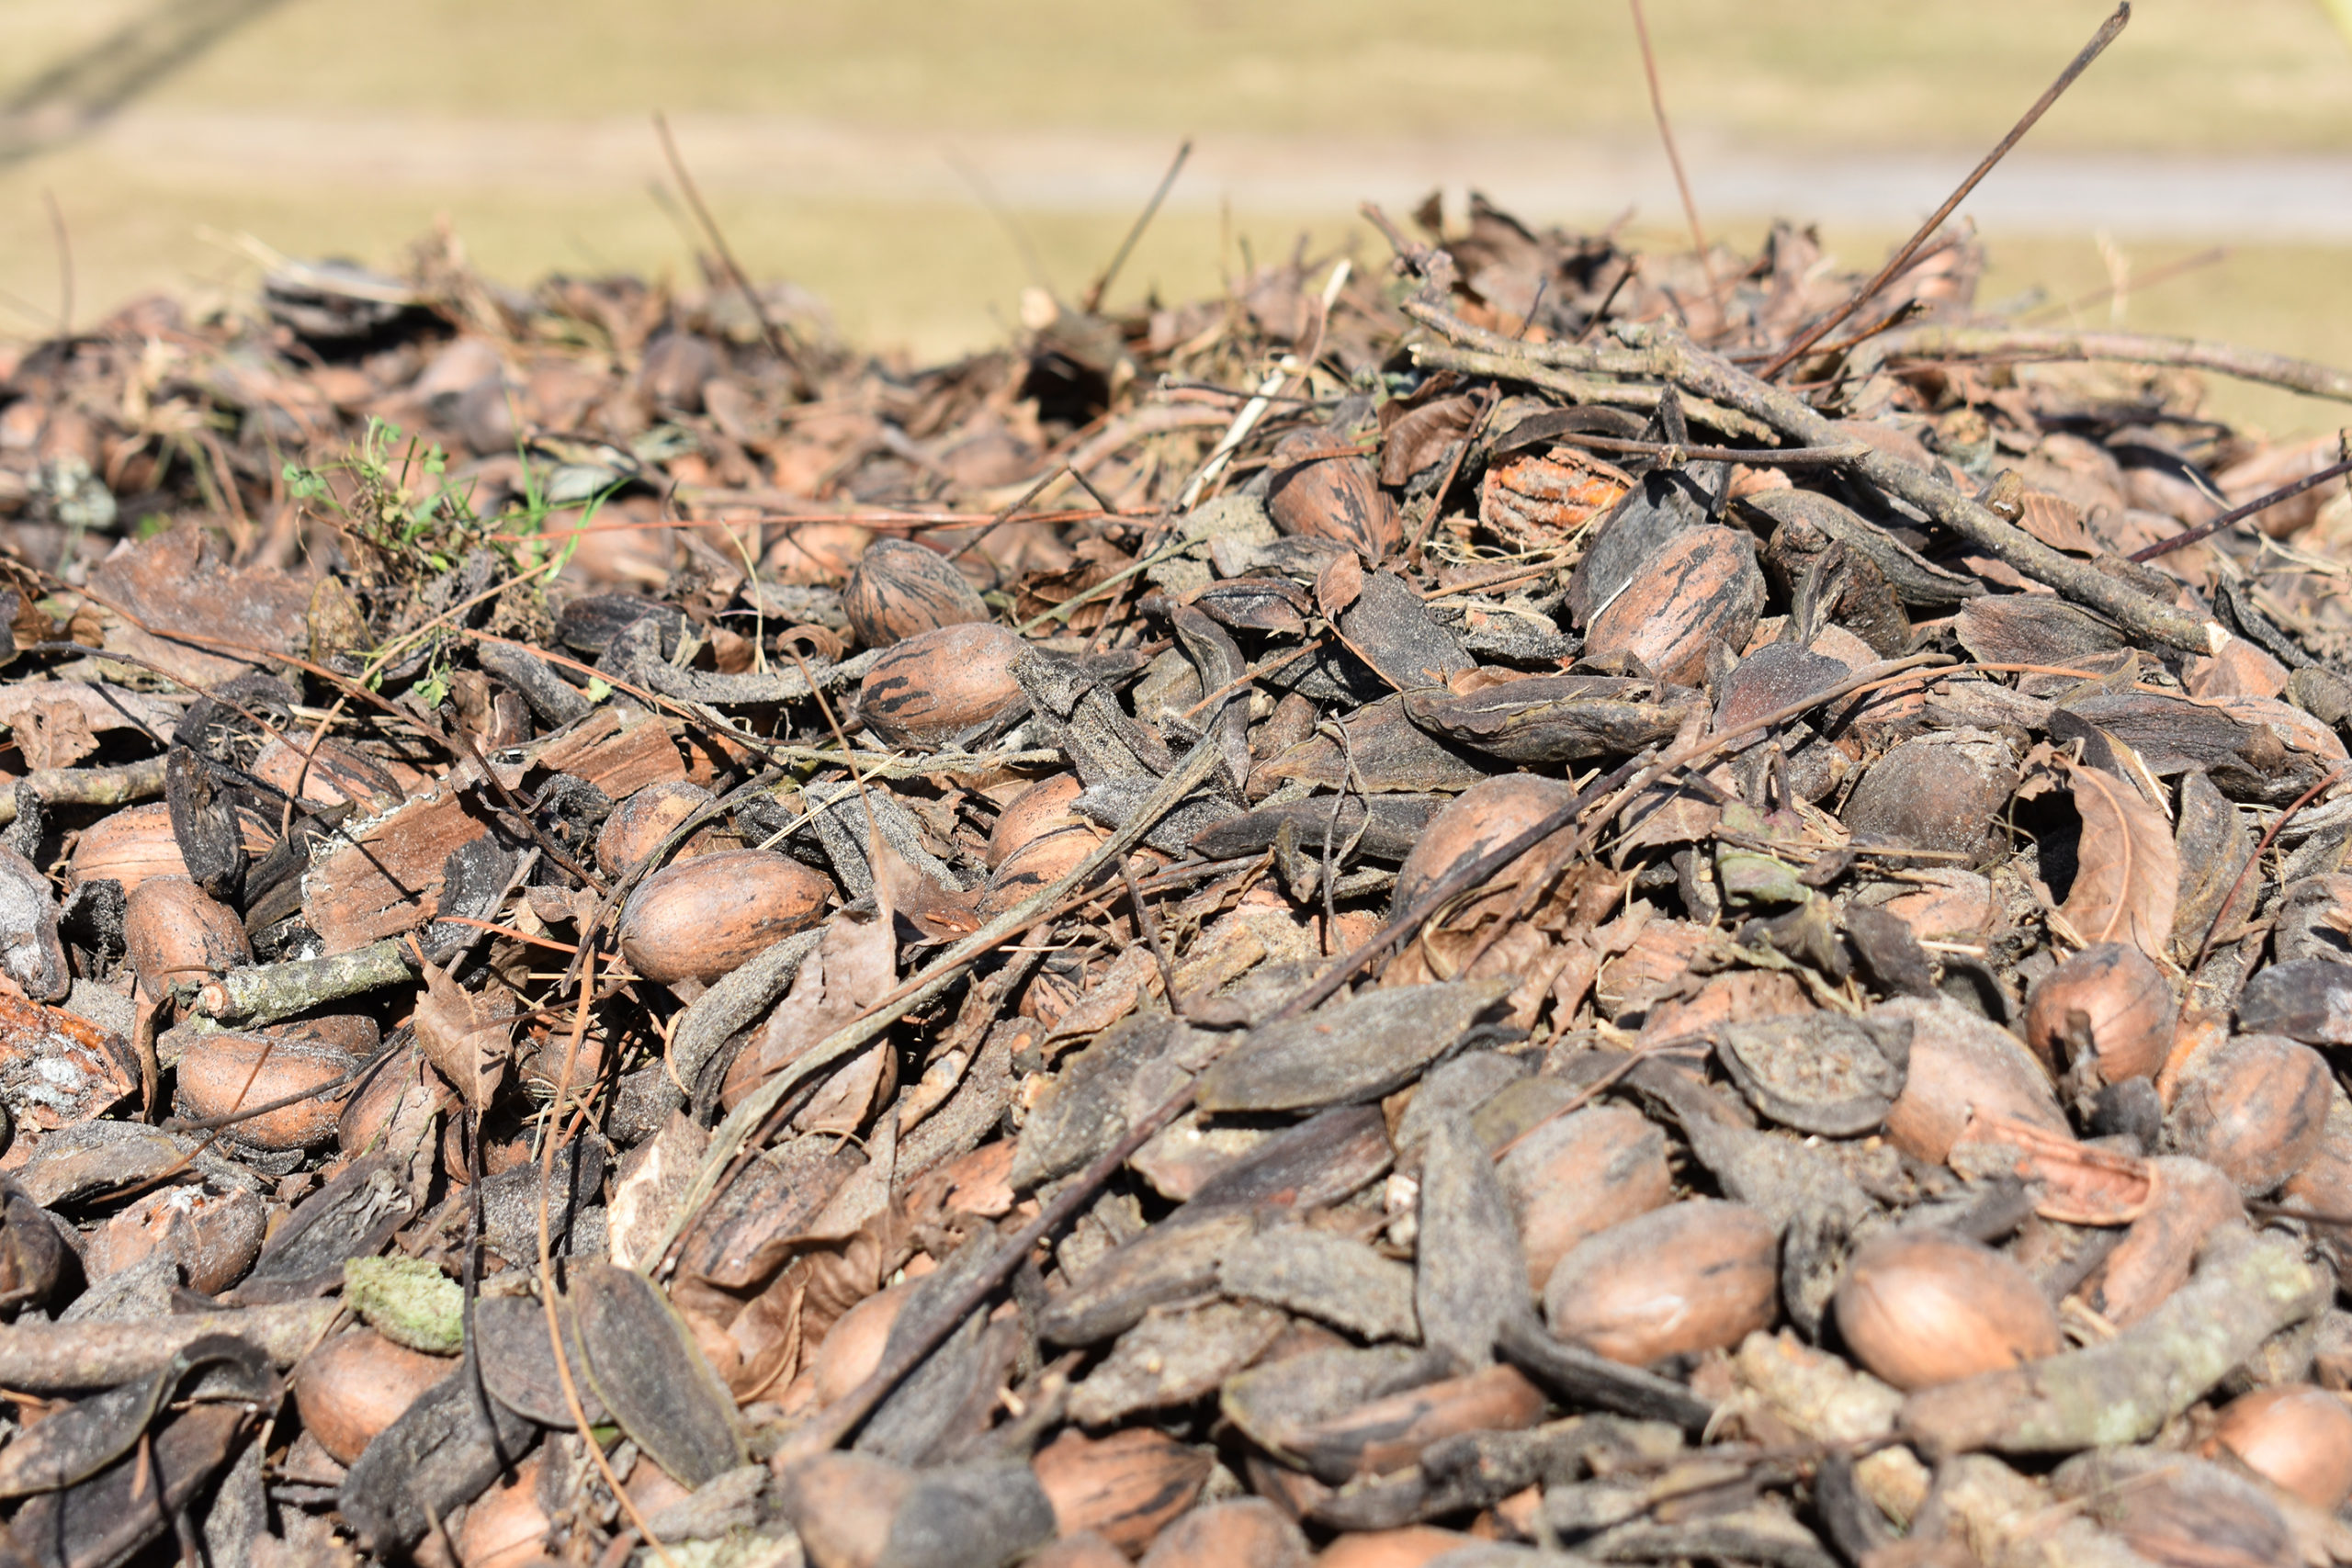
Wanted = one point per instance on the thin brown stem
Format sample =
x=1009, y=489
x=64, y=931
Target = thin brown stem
x=2240, y=513
x=1674, y=155
x=64, y=262
x=2205, y=948
x=2106, y=34
x=1092, y=300
x=2146, y=280
x=768, y=330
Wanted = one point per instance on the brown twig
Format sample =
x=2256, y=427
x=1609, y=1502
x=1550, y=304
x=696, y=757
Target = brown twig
x=1000, y=518
x=735, y=273
x=1492, y=401
x=2240, y=513
x=1935, y=343
x=2260, y=849
x=2100, y=41
x=1092, y=300
x=1674, y=155
x=548, y=1148
x=64, y=262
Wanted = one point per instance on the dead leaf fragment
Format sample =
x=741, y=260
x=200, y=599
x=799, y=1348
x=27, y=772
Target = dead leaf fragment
x=53, y=734
x=2127, y=877
x=465, y=1034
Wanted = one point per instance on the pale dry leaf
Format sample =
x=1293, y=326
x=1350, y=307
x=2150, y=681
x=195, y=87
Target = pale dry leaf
x=1338, y=585
x=2127, y=875
x=464, y=1034
x=54, y=735
x=903, y=888
x=849, y=974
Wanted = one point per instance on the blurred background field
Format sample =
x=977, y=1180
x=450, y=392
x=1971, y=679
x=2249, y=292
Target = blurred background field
x=856, y=148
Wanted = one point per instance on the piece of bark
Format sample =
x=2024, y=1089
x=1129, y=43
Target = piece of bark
x=1174, y=1356
x=1334, y=1278
x=618, y=753
x=386, y=877
x=1357, y=1051
x=1470, y=1278
x=175, y=584
x=444, y=1450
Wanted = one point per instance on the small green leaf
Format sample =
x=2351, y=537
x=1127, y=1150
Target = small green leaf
x=598, y=689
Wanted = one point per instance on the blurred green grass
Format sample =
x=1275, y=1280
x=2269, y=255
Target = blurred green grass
x=939, y=275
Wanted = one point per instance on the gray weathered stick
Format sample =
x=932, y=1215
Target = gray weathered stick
x=2246, y=1289
x=1580, y=389
x=263, y=993
x=732, y=1002
x=1666, y=354
x=59, y=1358
x=121, y=785
x=1799, y=423
x=1935, y=342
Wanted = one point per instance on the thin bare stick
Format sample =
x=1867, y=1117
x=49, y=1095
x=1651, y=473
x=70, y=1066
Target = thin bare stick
x=2205, y=948
x=1944, y=343
x=1031, y=261
x=2106, y=34
x=1766, y=458
x=2237, y=514
x=1673, y=156
x=1092, y=300
x=548, y=1293
x=1477, y=426
x=687, y=186
x=1005, y=515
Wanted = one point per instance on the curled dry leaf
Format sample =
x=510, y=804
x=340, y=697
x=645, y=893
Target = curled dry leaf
x=2127, y=872
x=2074, y=1183
x=464, y=1033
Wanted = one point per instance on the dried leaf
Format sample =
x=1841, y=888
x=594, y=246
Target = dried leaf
x=1337, y=585
x=53, y=734
x=2127, y=875
x=465, y=1034
x=853, y=968
x=2079, y=1184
